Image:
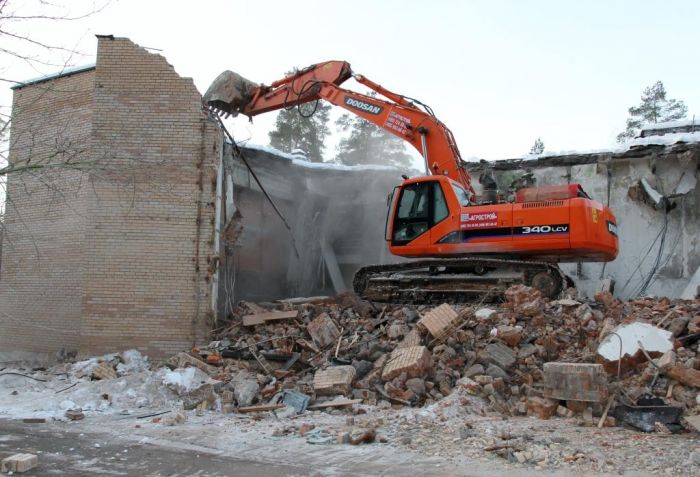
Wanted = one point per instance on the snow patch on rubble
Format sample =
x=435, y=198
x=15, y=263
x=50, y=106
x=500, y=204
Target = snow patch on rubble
x=132, y=362
x=653, y=339
x=112, y=396
x=184, y=380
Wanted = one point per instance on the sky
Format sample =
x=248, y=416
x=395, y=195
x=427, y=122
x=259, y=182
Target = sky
x=499, y=74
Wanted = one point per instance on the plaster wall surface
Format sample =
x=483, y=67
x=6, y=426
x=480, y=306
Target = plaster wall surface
x=613, y=180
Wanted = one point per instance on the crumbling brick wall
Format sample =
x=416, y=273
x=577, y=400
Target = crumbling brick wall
x=129, y=265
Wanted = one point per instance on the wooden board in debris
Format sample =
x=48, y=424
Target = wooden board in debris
x=260, y=318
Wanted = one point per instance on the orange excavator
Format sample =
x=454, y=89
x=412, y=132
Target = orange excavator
x=466, y=247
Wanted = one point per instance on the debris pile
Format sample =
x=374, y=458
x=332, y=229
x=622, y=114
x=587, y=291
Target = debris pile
x=603, y=361
x=528, y=356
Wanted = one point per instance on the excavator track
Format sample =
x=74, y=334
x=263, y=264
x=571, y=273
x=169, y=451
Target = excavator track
x=455, y=280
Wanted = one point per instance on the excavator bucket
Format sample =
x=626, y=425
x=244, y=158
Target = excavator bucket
x=229, y=93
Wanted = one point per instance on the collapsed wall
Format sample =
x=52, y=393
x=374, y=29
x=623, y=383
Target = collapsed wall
x=658, y=240
x=337, y=216
x=110, y=246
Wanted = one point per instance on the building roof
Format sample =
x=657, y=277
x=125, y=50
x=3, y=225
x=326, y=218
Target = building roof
x=59, y=74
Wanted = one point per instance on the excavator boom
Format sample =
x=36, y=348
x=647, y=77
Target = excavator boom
x=464, y=246
x=232, y=94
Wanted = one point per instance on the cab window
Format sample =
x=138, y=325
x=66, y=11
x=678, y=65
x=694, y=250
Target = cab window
x=421, y=206
x=462, y=195
x=439, y=204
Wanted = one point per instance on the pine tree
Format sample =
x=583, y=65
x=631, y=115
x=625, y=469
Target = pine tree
x=655, y=108
x=304, y=127
x=538, y=147
x=369, y=144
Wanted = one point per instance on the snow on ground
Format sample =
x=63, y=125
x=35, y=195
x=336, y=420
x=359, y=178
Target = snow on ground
x=68, y=386
x=457, y=434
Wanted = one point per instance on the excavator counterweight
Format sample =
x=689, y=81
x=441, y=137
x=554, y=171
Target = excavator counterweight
x=465, y=247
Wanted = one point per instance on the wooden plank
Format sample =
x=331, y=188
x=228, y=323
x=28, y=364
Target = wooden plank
x=337, y=403
x=260, y=408
x=260, y=318
x=311, y=299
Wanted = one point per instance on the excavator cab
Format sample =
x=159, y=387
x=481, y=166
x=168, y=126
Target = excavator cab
x=434, y=216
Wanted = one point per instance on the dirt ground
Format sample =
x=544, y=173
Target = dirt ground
x=426, y=442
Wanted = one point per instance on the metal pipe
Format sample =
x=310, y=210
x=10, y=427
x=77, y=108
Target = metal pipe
x=423, y=132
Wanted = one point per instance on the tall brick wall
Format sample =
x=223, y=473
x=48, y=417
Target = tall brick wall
x=139, y=241
x=41, y=274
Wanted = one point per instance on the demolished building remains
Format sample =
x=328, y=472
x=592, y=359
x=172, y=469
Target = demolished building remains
x=158, y=231
x=152, y=247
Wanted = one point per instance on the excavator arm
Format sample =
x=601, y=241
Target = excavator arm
x=233, y=94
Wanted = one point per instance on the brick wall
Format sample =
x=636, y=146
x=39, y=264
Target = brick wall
x=41, y=274
x=129, y=265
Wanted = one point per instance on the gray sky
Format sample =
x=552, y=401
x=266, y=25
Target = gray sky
x=498, y=73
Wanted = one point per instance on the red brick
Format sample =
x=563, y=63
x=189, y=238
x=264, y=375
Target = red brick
x=415, y=361
x=334, y=380
x=323, y=330
x=438, y=320
x=541, y=407
x=575, y=381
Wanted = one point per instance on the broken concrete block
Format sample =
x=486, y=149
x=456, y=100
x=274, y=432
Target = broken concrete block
x=19, y=463
x=496, y=372
x=103, y=371
x=438, y=320
x=500, y=355
x=184, y=380
x=183, y=360
x=333, y=380
x=75, y=414
x=541, y=407
x=245, y=388
x=474, y=370
x=485, y=313
x=203, y=395
x=417, y=386
x=678, y=325
x=575, y=381
x=414, y=361
x=323, y=330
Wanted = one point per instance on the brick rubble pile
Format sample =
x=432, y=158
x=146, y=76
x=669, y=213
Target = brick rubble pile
x=527, y=355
